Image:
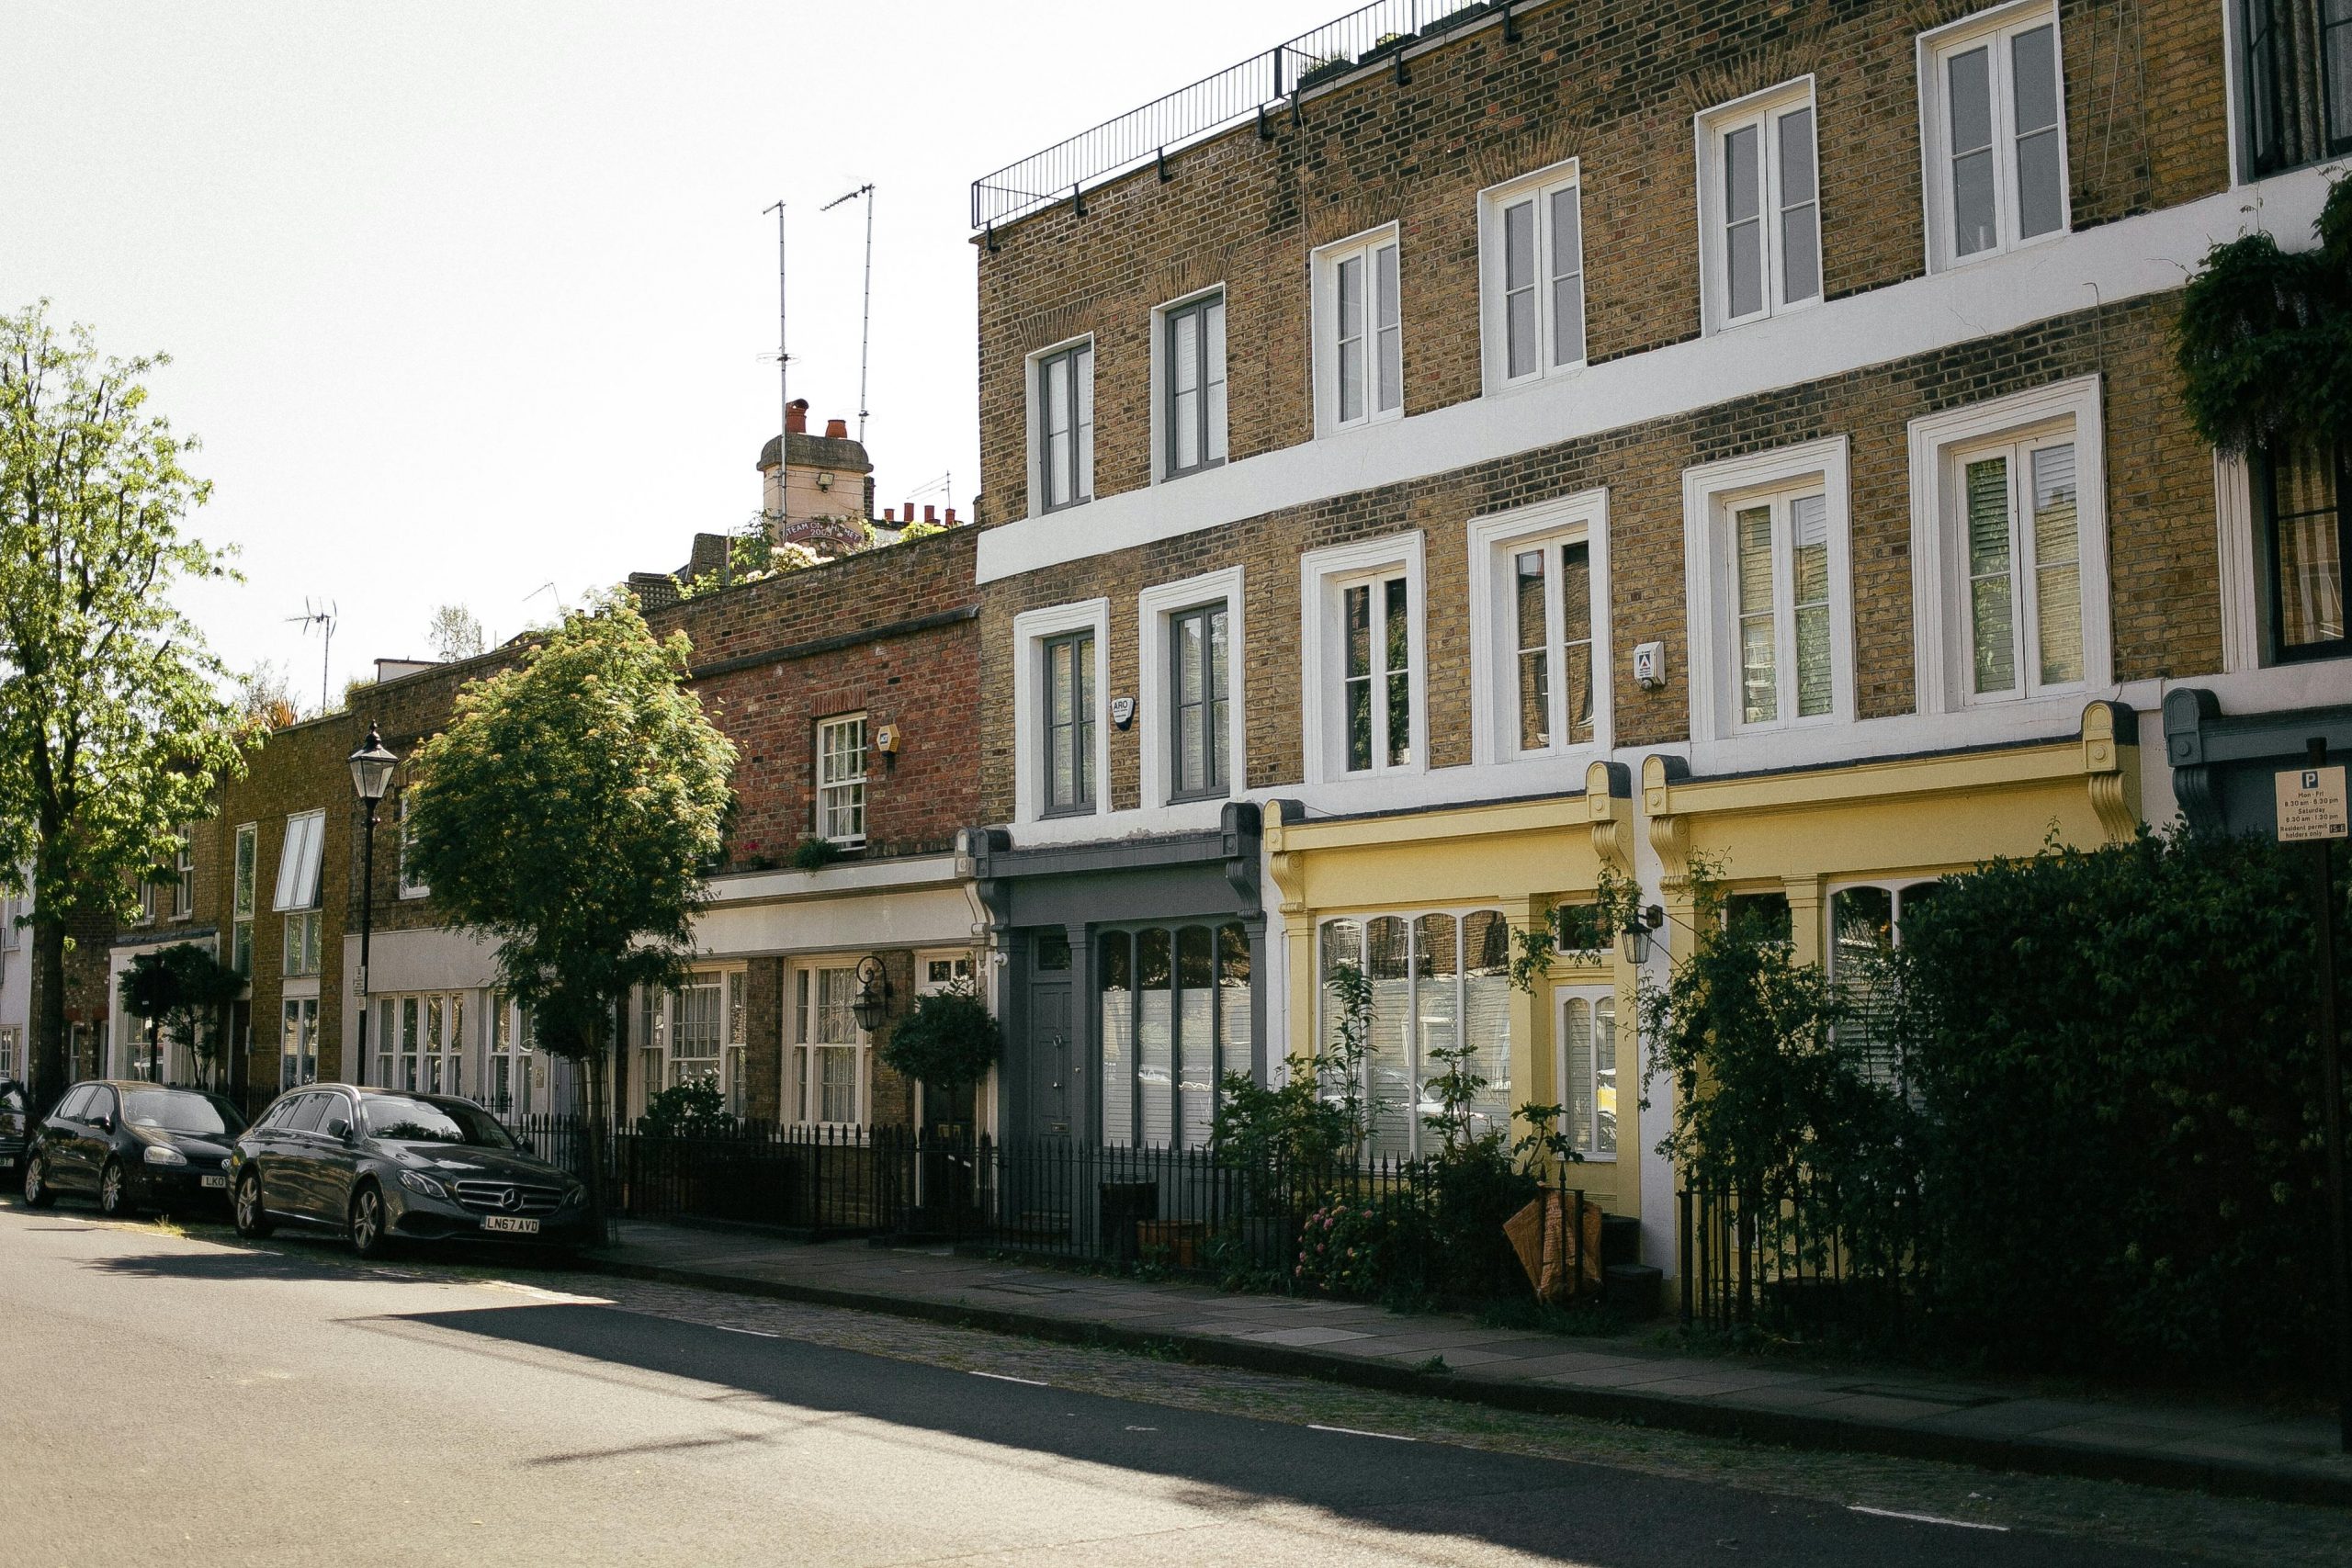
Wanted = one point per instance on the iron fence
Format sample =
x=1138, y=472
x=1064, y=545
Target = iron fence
x=1798, y=1256
x=1186, y=1210
x=1369, y=35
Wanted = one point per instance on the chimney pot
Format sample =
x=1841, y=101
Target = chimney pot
x=927, y=515
x=837, y=430
x=796, y=417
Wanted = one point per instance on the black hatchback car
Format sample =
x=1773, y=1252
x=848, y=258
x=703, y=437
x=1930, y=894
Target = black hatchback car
x=133, y=1144
x=383, y=1167
x=12, y=1124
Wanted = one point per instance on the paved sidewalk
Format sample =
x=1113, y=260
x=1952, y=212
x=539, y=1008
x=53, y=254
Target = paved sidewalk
x=2176, y=1443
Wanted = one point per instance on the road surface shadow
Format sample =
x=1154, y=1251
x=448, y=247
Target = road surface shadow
x=1567, y=1512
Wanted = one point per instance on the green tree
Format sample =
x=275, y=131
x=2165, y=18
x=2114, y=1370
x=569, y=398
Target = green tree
x=568, y=811
x=113, y=723
x=177, y=990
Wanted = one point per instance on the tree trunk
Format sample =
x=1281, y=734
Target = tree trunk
x=45, y=1080
x=595, y=1141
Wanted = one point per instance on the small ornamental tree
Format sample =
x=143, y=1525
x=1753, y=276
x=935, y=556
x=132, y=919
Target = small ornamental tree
x=568, y=811
x=114, y=727
x=947, y=1040
x=175, y=989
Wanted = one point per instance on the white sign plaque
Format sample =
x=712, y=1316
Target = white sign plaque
x=2312, y=806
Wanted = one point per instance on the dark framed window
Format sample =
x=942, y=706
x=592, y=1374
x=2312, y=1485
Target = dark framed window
x=1069, y=723
x=2295, y=80
x=1200, y=711
x=2304, y=536
x=1175, y=1020
x=1194, y=392
x=1066, y=427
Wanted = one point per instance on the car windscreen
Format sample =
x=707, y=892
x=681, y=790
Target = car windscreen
x=407, y=1121
x=177, y=1110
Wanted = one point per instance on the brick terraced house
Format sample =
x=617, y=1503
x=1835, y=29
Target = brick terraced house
x=848, y=689
x=1557, y=437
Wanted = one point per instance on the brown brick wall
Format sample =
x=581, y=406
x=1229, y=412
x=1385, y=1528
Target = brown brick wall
x=2160, y=516
x=1615, y=86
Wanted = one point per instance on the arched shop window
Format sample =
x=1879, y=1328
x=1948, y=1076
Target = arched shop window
x=1438, y=981
x=1865, y=923
x=1175, y=1015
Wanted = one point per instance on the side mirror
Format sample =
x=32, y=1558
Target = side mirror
x=339, y=1129
x=104, y=1123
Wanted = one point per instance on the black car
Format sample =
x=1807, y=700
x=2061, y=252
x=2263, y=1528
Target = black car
x=132, y=1145
x=384, y=1166
x=12, y=1124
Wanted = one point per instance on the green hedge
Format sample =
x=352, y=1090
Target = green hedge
x=2114, y=1068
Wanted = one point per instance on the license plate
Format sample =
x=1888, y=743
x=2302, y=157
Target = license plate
x=518, y=1227
x=216, y=1181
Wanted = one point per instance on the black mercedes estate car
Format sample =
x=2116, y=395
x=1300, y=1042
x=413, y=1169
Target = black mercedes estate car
x=383, y=1167
x=133, y=1144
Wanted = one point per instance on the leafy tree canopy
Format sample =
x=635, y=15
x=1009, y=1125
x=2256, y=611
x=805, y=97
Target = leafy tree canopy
x=567, y=810
x=113, y=724
x=2265, y=337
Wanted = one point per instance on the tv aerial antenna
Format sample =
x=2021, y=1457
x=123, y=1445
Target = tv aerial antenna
x=866, y=322
x=322, y=616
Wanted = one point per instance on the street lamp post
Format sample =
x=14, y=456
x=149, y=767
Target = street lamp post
x=371, y=774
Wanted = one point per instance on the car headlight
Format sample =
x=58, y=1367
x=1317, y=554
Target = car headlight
x=163, y=1154
x=425, y=1184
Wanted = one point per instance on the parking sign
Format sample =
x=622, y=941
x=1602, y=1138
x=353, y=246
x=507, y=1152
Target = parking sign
x=2311, y=804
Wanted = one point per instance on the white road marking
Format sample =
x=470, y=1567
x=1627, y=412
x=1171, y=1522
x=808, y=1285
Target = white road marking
x=1357, y=1432
x=754, y=1333
x=1002, y=1377
x=1925, y=1518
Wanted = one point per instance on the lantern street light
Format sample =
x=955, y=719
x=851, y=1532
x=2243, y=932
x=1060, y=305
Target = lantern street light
x=371, y=775
x=1636, y=938
x=873, y=1001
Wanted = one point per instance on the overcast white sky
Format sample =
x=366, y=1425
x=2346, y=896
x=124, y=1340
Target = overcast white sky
x=468, y=299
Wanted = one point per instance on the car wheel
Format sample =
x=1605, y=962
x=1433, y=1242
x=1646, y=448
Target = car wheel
x=253, y=1219
x=370, y=1225
x=114, y=1193
x=37, y=1194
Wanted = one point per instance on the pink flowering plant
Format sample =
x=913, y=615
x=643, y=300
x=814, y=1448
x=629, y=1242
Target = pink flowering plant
x=1346, y=1247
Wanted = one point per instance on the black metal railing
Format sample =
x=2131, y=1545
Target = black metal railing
x=1373, y=34
x=1184, y=1211
x=1794, y=1257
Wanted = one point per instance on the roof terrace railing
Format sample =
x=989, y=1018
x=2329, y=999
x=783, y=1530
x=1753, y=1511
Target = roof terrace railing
x=1371, y=35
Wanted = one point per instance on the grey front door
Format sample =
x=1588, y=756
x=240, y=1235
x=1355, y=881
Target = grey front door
x=1051, y=1092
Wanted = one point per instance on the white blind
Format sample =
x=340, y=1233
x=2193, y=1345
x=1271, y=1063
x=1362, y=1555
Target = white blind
x=297, y=862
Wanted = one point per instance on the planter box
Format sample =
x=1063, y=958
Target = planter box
x=1177, y=1244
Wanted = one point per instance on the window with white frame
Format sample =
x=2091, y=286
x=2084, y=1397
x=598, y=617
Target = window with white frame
x=299, y=862
x=1993, y=132
x=1359, y=330
x=298, y=1046
x=937, y=972
x=1866, y=922
x=841, y=779
x=14, y=907
x=1200, y=704
x=1062, y=416
x=697, y=1034
x=302, y=955
x=184, y=877
x=241, y=898
x=1360, y=606
x=514, y=1076
x=1061, y=751
x=1539, y=623
x=412, y=883
x=421, y=1043
x=10, y=1040
x=2009, y=548
x=829, y=1053
x=1770, y=581
x=1531, y=283
x=2293, y=83
x=1759, y=202
x=1435, y=982
x=1587, y=1068
x=1192, y=391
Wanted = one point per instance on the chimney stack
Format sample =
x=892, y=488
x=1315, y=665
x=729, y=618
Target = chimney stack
x=951, y=517
x=927, y=515
x=890, y=516
x=796, y=417
x=837, y=430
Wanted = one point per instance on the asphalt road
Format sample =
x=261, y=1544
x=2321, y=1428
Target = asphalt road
x=169, y=1399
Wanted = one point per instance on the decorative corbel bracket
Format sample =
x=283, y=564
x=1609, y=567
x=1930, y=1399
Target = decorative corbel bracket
x=1669, y=833
x=2111, y=767
x=1609, y=805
